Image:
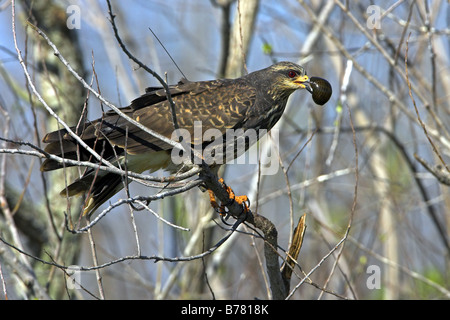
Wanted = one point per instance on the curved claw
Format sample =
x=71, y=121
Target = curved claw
x=221, y=209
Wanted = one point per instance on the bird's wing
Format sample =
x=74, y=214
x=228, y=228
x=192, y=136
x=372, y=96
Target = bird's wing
x=218, y=104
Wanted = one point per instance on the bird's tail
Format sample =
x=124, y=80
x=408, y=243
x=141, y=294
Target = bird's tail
x=98, y=187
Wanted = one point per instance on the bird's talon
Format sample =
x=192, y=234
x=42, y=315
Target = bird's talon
x=224, y=219
x=222, y=208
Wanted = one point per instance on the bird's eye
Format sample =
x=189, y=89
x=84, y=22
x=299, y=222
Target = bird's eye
x=292, y=74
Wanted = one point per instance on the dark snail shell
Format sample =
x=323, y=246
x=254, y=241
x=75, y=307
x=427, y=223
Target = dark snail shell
x=321, y=90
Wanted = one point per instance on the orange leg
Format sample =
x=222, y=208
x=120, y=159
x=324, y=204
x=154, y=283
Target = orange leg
x=242, y=200
x=212, y=199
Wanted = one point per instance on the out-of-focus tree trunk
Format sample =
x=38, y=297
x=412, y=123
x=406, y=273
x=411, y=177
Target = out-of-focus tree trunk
x=241, y=35
x=65, y=96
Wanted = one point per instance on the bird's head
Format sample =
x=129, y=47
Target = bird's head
x=283, y=78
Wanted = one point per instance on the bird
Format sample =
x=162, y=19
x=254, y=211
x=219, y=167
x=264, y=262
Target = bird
x=255, y=101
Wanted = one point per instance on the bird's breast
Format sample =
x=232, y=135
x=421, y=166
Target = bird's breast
x=267, y=116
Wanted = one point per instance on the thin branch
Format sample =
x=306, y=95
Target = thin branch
x=134, y=257
x=37, y=94
x=102, y=99
x=95, y=261
x=324, y=258
x=392, y=96
x=353, y=208
x=140, y=199
x=438, y=171
x=40, y=153
x=153, y=73
x=422, y=124
x=407, y=271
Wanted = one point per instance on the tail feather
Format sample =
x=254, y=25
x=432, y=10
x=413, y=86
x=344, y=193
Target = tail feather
x=98, y=185
x=97, y=188
x=63, y=145
x=79, y=187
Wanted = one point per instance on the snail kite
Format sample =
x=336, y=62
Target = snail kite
x=255, y=101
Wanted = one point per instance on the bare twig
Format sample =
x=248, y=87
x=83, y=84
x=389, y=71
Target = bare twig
x=392, y=96
x=134, y=257
x=95, y=261
x=153, y=73
x=140, y=199
x=353, y=208
x=422, y=124
x=438, y=171
x=324, y=258
x=40, y=153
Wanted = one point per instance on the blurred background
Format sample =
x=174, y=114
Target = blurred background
x=370, y=169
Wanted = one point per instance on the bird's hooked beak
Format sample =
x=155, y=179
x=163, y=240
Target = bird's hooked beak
x=301, y=81
x=305, y=83
x=308, y=87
